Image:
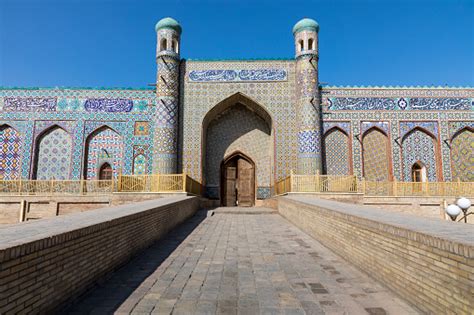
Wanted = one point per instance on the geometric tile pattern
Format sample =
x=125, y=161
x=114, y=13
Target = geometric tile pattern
x=275, y=97
x=418, y=146
x=139, y=165
x=238, y=129
x=407, y=126
x=336, y=144
x=376, y=156
x=68, y=111
x=343, y=125
x=141, y=128
x=382, y=125
x=104, y=146
x=462, y=156
x=54, y=154
x=10, y=153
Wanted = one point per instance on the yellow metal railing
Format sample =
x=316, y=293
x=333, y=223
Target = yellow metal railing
x=350, y=184
x=316, y=183
x=123, y=183
x=403, y=189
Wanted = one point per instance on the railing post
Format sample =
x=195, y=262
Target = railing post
x=51, y=186
x=119, y=183
x=184, y=182
x=81, y=189
x=19, y=186
x=363, y=185
x=317, y=181
x=291, y=181
x=395, y=187
x=458, y=192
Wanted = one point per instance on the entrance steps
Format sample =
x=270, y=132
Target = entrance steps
x=242, y=210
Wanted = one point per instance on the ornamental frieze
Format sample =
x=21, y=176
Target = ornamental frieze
x=383, y=103
x=29, y=104
x=237, y=75
x=108, y=105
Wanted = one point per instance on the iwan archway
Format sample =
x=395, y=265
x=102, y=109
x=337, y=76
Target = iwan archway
x=237, y=132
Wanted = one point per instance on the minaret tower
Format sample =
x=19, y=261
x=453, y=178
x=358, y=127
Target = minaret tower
x=165, y=153
x=307, y=97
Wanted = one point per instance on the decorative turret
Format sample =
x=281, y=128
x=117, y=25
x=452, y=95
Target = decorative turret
x=165, y=153
x=307, y=96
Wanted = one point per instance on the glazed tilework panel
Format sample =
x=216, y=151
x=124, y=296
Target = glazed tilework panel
x=336, y=145
x=462, y=156
x=277, y=97
x=10, y=153
x=444, y=122
x=419, y=146
x=118, y=109
x=104, y=146
x=376, y=156
x=238, y=129
x=54, y=150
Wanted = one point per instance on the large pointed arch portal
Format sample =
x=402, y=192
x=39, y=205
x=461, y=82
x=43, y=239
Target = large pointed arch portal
x=237, y=124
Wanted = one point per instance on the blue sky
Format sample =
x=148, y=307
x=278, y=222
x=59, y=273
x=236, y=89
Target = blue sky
x=107, y=43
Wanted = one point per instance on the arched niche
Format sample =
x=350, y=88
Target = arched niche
x=10, y=153
x=376, y=155
x=462, y=155
x=237, y=123
x=104, y=145
x=337, y=152
x=52, y=154
x=419, y=145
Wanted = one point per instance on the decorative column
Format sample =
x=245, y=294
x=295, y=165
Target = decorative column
x=307, y=97
x=167, y=92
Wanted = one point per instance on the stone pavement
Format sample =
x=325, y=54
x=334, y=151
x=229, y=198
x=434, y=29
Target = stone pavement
x=229, y=263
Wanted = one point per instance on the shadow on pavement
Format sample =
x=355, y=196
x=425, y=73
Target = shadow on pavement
x=109, y=293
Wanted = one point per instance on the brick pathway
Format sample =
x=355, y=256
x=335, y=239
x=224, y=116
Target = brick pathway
x=239, y=263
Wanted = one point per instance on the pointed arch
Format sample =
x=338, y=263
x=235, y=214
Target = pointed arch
x=462, y=155
x=376, y=155
x=420, y=145
x=52, y=154
x=10, y=153
x=237, y=123
x=103, y=145
x=105, y=171
x=163, y=44
x=337, y=152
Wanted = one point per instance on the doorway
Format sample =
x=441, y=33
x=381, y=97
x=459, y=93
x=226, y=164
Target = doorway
x=238, y=181
x=105, y=172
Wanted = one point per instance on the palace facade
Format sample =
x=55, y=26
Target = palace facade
x=238, y=125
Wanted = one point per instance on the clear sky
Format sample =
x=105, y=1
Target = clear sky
x=111, y=43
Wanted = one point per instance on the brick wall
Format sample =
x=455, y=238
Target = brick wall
x=48, y=263
x=430, y=263
x=43, y=206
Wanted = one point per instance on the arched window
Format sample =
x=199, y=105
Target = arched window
x=174, y=45
x=418, y=172
x=301, y=45
x=310, y=44
x=164, y=44
x=105, y=172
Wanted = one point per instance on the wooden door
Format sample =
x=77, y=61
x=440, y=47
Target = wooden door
x=245, y=183
x=230, y=177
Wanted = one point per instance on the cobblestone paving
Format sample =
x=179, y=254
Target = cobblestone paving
x=239, y=264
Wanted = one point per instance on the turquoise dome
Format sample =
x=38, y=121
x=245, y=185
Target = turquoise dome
x=168, y=23
x=306, y=24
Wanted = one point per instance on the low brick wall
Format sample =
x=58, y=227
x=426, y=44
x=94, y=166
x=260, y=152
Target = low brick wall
x=428, y=262
x=47, y=263
x=14, y=209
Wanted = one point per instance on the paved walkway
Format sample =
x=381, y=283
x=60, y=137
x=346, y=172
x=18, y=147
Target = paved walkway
x=239, y=263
